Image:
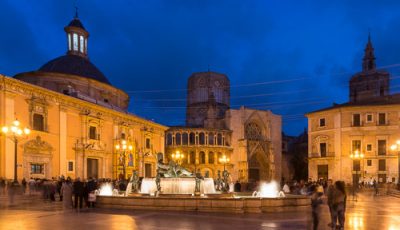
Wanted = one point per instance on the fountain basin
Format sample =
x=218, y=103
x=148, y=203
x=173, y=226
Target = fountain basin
x=206, y=204
x=182, y=185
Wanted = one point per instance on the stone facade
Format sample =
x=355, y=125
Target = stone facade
x=368, y=125
x=251, y=139
x=65, y=146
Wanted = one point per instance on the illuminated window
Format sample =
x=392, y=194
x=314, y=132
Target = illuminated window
x=322, y=122
x=70, y=166
x=85, y=45
x=38, y=122
x=81, y=43
x=211, y=158
x=148, y=144
x=69, y=41
x=37, y=168
x=75, y=42
x=356, y=119
x=202, y=158
x=381, y=147
x=322, y=149
x=92, y=133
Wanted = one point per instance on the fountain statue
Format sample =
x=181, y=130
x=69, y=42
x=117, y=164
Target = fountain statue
x=225, y=182
x=172, y=178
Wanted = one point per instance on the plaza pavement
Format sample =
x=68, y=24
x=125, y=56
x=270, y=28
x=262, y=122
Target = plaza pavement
x=30, y=212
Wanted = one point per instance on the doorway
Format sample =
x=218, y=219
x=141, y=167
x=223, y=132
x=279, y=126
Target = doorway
x=323, y=172
x=147, y=170
x=92, y=168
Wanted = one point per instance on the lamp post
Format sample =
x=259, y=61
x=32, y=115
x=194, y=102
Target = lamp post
x=177, y=157
x=396, y=147
x=224, y=160
x=15, y=133
x=356, y=156
x=123, y=147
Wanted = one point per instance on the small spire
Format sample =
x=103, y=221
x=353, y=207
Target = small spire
x=369, y=57
x=76, y=12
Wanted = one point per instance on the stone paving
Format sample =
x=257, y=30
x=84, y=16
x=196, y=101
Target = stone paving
x=30, y=212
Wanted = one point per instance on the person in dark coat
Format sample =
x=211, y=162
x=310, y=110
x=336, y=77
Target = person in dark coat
x=78, y=193
x=238, y=186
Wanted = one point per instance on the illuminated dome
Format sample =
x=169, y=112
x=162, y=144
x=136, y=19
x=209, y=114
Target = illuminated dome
x=74, y=75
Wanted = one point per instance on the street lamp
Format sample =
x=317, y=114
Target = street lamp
x=123, y=147
x=396, y=147
x=224, y=160
x=178, y=157
x=356, y=156
x=15, y=133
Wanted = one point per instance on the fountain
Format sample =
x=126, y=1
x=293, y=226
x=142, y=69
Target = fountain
x=106, y=190
x=175, y=188
x=269, y=190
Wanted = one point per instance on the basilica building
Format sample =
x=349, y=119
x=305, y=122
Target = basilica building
x=79, y=122
x=250, y=139
x=358, y=140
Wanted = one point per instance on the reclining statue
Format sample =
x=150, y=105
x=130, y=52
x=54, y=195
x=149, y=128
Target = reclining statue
x=172, y=169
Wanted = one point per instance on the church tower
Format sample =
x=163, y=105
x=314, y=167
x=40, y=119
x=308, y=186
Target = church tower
x=370, y=83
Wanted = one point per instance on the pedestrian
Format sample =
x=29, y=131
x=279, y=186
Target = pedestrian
x=339, y=205
x=31, y=184
x=24, y=183
x=286, y=188
x=59, y=185
x=78, y=193
x=375, y=185
x=237, y=186
x=66, y=191
x=316, y=205
x=91, y=187
x=329, y=193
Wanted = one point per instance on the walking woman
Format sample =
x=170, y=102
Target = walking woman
x=339, y=205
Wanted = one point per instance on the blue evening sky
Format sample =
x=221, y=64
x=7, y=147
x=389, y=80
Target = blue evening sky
x=291, y=57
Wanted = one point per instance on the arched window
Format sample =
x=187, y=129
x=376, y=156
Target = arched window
x=253, y=132
x=75, y=41
x=192, y=138
x=178, y=139
x=192, y=158
x=211, y=158
x=219, y=139
x=211, y=138
x=185, y=139
x=202, y=139
x=169, y=139
x=202, y=157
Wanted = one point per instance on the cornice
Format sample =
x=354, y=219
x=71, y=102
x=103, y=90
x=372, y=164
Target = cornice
x=14, y=86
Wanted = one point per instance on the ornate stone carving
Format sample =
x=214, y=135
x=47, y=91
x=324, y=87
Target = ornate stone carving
x=37, y=146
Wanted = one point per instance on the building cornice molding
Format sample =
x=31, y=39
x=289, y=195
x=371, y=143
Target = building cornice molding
x=14, y=87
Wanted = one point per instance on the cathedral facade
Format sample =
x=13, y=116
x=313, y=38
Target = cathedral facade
x=76, y=118
x=250, y=139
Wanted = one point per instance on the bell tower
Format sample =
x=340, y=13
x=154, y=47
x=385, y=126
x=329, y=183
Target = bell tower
x=371, y=83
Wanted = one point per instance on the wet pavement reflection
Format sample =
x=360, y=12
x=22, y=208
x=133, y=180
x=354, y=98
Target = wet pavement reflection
x=30, y=212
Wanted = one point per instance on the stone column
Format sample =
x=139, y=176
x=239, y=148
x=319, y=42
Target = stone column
x=63, y=141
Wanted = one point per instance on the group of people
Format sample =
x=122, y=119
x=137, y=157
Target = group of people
x=73, y=193
x=336, y=200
